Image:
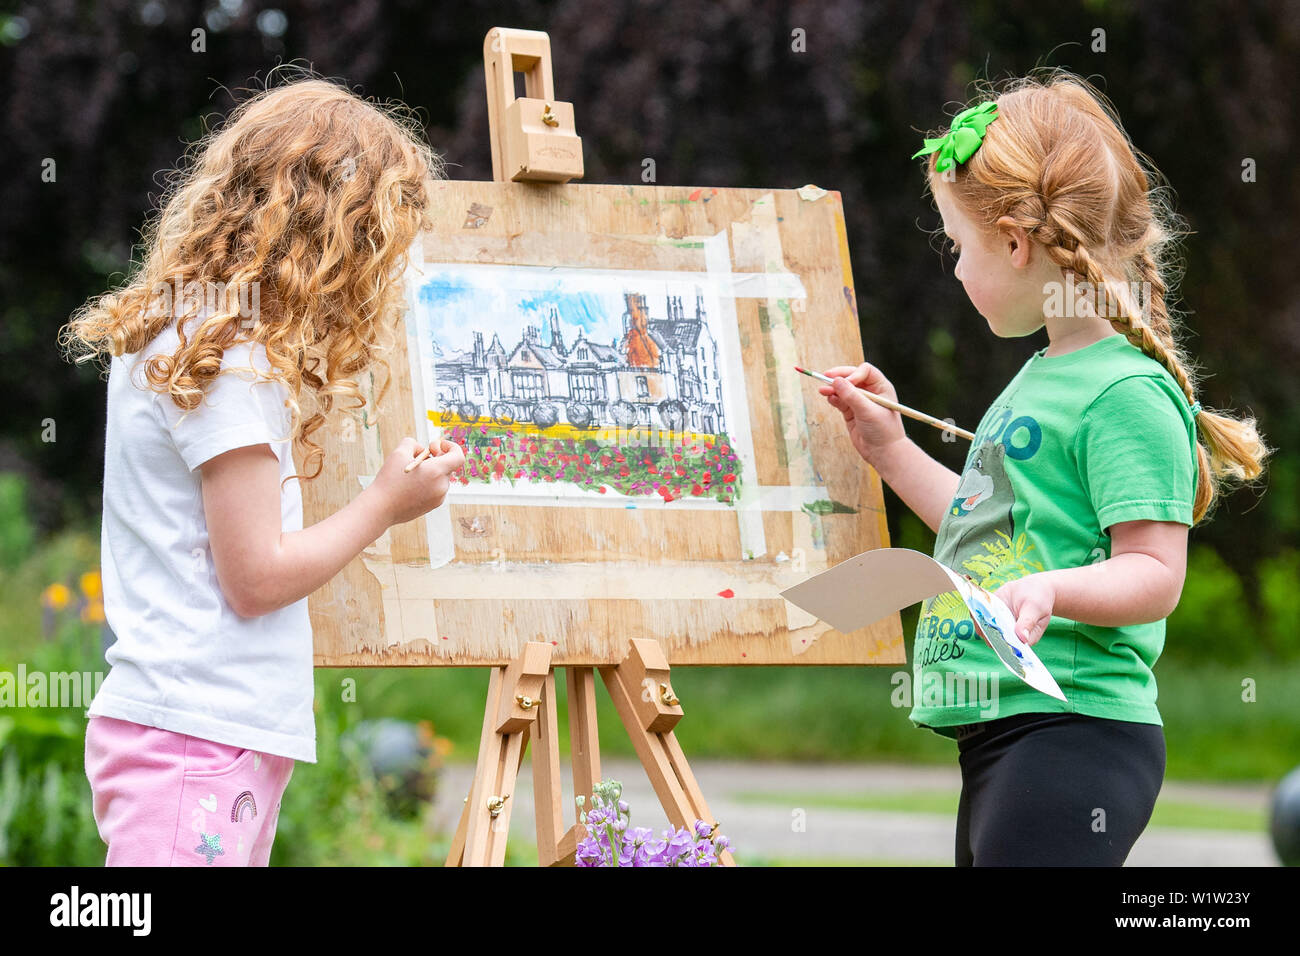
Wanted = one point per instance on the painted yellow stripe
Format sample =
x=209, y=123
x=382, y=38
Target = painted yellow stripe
x=630, y=436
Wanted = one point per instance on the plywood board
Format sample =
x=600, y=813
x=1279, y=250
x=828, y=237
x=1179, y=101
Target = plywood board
x=690, y=308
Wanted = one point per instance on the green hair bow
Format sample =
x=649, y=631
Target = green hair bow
x=964, y=136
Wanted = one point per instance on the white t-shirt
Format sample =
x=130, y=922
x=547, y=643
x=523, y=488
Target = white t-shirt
x=183, y=660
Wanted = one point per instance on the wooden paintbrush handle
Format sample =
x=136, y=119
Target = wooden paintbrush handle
x=919, y=416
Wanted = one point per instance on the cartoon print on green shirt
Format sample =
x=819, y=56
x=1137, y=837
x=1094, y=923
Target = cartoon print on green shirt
x=1072, y=442
x=984, y=487
x=978, y=537
x=978, y=485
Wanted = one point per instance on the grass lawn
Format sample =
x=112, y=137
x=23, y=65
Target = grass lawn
x=845, y=714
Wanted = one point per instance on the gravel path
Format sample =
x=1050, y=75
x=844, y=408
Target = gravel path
x=757, y=805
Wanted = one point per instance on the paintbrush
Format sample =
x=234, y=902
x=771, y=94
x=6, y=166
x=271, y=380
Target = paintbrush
x=901, y=409
x=417, y=459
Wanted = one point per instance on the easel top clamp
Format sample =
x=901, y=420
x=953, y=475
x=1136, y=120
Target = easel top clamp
x=533, y=136
x=534, y=140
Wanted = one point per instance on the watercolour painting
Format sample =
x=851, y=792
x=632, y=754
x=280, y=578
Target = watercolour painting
x=592, y=383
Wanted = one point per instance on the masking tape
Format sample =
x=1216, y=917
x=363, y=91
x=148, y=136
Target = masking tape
x=753, y=540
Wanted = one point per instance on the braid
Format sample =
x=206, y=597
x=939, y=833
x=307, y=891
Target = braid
x=1148, y=274
x=1232, y=448
x=1070, y=253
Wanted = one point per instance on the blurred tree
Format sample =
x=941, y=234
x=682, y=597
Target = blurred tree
x=718, y=94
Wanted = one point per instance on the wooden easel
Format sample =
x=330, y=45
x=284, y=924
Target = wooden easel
x=521, y=698
x=521, y=703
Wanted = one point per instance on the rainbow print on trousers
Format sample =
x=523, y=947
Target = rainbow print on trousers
x=243, y=802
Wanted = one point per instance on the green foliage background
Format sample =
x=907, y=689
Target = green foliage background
x=715, y=94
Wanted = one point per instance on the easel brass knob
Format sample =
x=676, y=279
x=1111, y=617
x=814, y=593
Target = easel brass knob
x=667, y=696
x=527, y=703
x=548, y=117
x=495, y=805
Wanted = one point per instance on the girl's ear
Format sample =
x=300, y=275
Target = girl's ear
x=1015, y=240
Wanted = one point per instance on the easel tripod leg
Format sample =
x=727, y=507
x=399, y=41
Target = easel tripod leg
x=584, y=743
x=548, y=795
x=665, y=764
x=514, y=693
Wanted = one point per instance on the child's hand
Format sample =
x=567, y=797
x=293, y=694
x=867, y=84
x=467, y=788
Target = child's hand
x=405, y=496
x=1031, y=600
x=871, y=427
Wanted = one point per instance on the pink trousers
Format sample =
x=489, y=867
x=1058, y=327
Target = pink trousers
x=168, y=799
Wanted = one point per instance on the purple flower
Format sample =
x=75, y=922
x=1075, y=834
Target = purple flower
x=677, y=845
x=631, y=856
x=635, y=852
x=590, y=852
x=611, y=841
x=681, y=840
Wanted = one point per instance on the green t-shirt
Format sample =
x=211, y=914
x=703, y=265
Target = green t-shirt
x=1074, y=444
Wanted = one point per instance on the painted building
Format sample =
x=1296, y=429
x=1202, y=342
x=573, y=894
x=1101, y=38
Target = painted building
x=663, y=373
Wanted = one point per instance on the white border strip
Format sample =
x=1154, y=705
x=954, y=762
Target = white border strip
x=753, y=540
x=437, y=523
x=765, y=498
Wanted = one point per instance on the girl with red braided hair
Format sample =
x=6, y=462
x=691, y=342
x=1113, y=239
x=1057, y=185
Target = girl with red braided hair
x=1080, y=487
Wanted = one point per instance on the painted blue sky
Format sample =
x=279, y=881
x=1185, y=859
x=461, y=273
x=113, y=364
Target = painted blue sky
x=455, y=301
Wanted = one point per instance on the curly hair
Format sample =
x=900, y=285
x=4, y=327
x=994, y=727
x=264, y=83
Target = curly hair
x=1058, y=163
x=303, y=204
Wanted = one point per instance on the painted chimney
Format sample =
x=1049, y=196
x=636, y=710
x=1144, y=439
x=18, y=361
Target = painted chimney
x=635, y=302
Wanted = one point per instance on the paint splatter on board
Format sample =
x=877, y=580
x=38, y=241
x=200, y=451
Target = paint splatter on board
x=477, y=216
x=478, y=526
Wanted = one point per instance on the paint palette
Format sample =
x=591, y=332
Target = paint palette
x=997, y=625
x=864, y=589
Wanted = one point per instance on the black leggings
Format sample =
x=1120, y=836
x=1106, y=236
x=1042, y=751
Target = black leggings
x=1056, y=789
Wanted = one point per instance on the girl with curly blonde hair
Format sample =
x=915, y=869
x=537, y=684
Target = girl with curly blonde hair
x=1082, y=482
x=270, y=283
